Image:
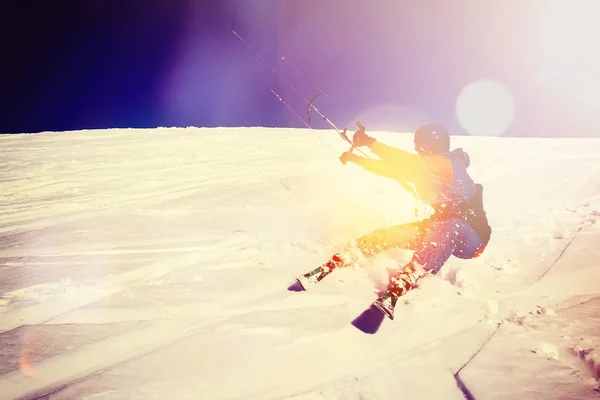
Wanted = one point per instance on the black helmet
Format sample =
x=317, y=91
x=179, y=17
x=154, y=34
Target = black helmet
x=432, y=139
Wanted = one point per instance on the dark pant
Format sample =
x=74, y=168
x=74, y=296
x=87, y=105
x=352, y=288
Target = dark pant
x=432, y=241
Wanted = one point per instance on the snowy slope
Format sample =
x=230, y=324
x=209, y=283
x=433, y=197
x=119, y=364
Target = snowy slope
x=155, y=264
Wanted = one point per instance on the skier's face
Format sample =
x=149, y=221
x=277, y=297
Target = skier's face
x=420, y=150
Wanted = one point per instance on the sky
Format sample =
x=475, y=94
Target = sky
x=512, y=68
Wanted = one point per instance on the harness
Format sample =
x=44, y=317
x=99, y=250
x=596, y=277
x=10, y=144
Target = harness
x=471, y=211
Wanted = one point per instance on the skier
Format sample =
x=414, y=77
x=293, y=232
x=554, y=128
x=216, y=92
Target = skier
x=458, y=225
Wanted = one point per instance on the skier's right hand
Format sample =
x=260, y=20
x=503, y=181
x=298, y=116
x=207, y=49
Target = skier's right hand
x=360, y=138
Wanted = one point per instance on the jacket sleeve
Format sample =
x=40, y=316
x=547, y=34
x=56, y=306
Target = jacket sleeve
x=378, y=167
x=405, y=167
x=394, y=163
x=389, y=153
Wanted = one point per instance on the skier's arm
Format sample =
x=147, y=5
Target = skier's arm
x=394, y=163
x=383, y=151
x=390, y=153
x=403, y=166
x=402, y=172
x=378, y=167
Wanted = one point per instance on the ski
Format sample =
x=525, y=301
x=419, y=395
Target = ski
x=384, y=306
x=370, y=320
x=315, y=276
x=386, y=303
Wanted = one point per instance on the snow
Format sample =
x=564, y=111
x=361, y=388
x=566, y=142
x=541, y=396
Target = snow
x=155, y=264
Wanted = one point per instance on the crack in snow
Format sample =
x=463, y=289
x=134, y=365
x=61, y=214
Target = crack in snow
x=459, y=382
x=561, y=253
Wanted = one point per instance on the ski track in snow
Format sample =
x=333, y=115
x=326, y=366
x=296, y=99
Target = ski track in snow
x=197, y=233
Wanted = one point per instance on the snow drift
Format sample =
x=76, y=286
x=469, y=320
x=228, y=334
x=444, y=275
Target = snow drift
x=155, y=264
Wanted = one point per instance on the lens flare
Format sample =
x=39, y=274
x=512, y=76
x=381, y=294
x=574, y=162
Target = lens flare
x=485, y=108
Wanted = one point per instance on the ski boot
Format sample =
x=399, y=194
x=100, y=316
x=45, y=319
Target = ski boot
x=316, y=275
x=399, y=285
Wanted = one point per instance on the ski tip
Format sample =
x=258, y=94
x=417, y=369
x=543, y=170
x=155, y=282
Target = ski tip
x=388, y=313
x=304, y=282
x=296, y=287
x=369, y=321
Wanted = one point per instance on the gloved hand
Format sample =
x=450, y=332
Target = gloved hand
x=345, y=157
x=360, y=138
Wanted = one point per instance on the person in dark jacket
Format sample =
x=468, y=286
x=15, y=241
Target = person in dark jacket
x=458, y=226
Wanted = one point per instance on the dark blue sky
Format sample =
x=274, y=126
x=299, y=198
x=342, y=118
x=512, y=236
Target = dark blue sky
x=82, y=64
